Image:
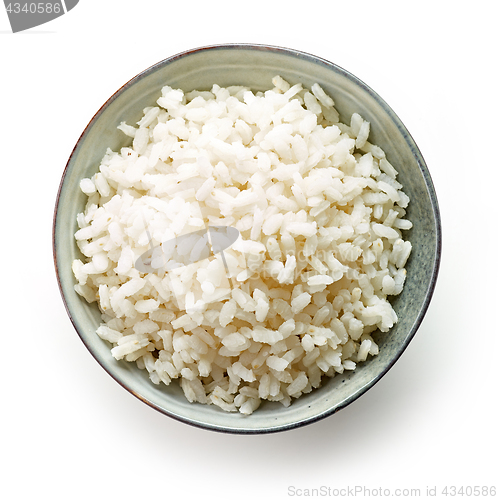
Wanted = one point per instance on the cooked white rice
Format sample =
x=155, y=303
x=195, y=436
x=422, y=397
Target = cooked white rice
x=299, y=293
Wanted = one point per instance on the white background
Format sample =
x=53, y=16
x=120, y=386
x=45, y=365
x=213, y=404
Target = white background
x=70, y=432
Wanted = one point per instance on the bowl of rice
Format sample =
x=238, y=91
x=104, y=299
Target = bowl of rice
x=246, y=237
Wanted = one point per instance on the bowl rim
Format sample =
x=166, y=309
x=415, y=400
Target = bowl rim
x=415, y=152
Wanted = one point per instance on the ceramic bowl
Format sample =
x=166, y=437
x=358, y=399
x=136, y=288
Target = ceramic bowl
x=254, y=66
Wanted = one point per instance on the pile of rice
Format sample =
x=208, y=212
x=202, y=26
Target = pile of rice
x=299, y=293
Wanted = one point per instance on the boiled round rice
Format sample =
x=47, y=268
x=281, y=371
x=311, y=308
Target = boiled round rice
x=296, y=296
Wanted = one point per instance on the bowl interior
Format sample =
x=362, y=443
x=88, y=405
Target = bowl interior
x=254, y=66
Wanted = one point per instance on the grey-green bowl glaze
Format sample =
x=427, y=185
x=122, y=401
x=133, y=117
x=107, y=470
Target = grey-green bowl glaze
x=254, y=66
